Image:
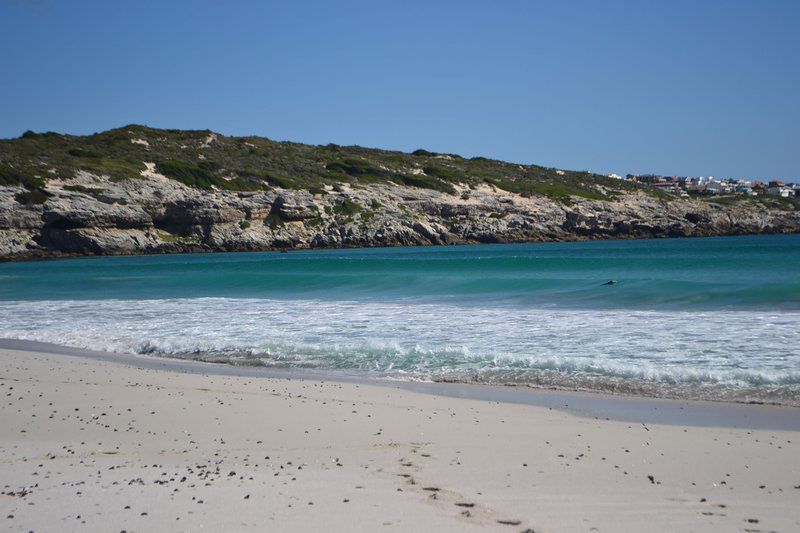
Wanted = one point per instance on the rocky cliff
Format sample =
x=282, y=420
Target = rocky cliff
x=138, y=190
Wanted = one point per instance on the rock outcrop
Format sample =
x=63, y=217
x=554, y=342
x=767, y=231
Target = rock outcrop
x=136, y=190
x=164, y=216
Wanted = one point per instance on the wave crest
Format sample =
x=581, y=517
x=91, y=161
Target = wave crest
x=720, y=353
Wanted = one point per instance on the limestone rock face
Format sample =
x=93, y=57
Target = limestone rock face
x=102, y=241
x=15, y=216
x=162, y=216
x=78, y=211
x=289, y=211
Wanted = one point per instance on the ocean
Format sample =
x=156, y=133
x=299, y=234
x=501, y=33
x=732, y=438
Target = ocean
x=706, y=318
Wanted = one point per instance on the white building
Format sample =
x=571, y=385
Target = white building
x=784, y=192
x=718, y=187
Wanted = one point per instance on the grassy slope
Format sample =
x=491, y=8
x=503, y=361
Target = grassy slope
x=253, y=163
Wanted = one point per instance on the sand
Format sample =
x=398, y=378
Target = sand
x=93, y=444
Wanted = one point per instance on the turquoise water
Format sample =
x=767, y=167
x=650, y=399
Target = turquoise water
x=711, y=317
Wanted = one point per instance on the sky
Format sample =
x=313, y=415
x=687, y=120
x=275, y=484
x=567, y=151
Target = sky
x=679, y=87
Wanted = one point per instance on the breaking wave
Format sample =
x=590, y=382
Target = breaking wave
x=744, y=355
x=712, y=318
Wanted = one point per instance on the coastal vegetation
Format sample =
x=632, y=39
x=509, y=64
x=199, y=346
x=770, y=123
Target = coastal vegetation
x=178, y=239
x=142, y=190
x=205, y=160
x=766, y=201
x=11, y=176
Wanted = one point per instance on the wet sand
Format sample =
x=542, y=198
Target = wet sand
x=112, y=443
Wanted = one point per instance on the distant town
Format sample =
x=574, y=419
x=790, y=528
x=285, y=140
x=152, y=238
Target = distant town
x=709, y=185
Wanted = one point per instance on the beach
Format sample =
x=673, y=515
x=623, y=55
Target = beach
x=135, y=444
x=703, y=319
x=357, y=267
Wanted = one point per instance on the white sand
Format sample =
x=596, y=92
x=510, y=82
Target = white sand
x=95, y=445
x=150, y=172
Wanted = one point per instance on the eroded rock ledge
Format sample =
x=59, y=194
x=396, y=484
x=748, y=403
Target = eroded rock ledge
x=159, y=215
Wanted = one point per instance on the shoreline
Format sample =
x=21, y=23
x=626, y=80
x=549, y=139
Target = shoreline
x=138, y=444
x=191, y=250
x=582, y=403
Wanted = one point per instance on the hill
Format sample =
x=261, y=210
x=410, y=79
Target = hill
x=142, y=190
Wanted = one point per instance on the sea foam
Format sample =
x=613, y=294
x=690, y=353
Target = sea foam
x=710, y=317
x=719, y=354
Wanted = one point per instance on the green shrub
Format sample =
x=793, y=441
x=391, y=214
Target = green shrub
x=11, y=177
x=273, y=220
x=32, y=197
x=361, y=169
x=427, y=182
x=187, y=173
x=188, y=239
x=33, y=135
x=356, y=167
x=439, y=172
x=347, y=207
x=555, y=191
x=249, y=175
x=79, y=152
x=279, y=181
x=201, y=175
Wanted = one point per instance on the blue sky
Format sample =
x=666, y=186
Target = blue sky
x=672, y=87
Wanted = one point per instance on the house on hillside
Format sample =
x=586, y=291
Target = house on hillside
x=782, y=191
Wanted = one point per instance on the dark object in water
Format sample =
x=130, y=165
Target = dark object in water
x=610, y=282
